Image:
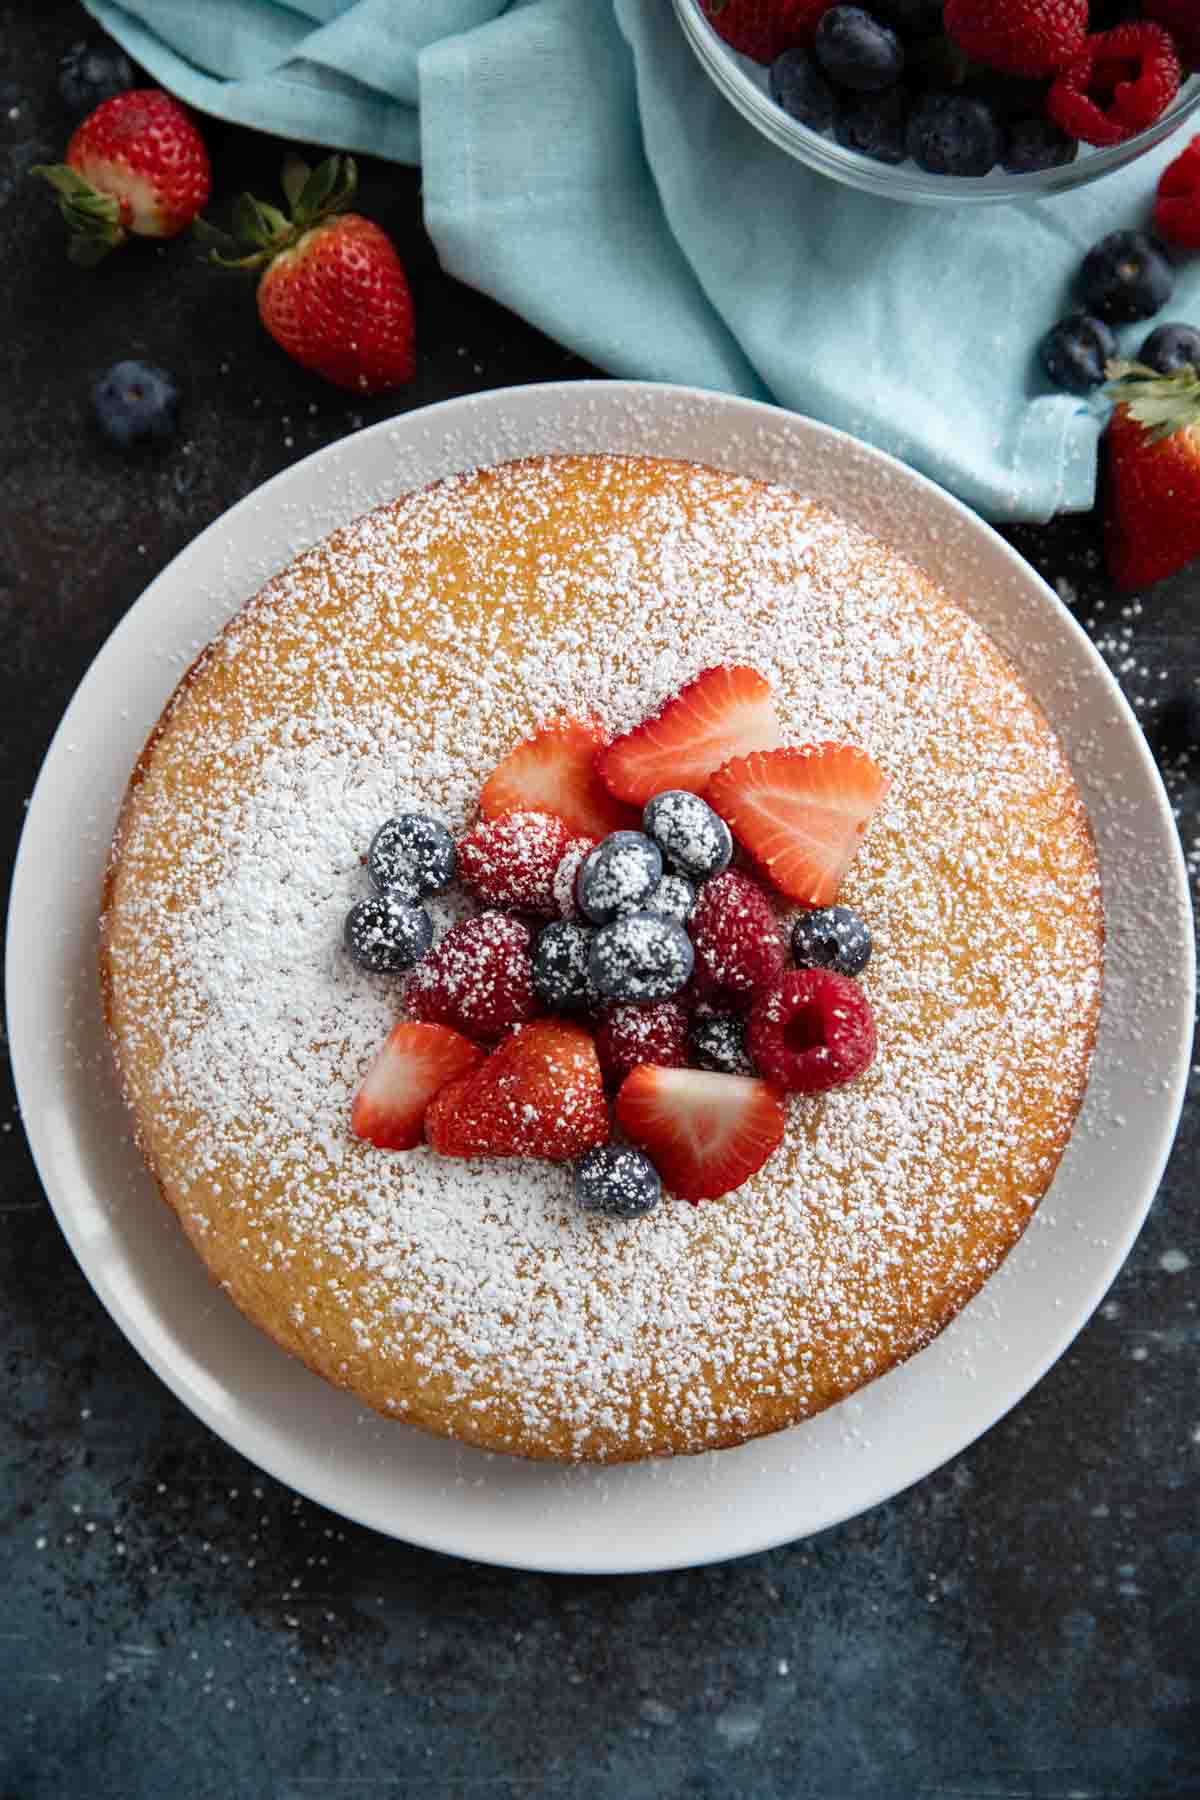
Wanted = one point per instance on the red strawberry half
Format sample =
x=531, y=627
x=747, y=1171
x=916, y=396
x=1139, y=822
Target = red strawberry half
x=801, y=814
x=705, y=1134
x=539, y=1094
x=414, y=1062
x=724, y=712
x=554, y=771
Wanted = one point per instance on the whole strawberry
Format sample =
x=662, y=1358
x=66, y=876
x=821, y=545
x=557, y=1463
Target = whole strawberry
x=1152, y=498
x=763, y=29
x=136, y=167
x=1019, y=37
x=332, y=293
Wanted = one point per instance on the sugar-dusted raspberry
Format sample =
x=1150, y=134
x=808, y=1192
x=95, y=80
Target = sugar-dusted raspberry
x=1019, y=37
x=478, y=979
x=511, y=861
x=813, y=1031
x=628, y=1035
x=1177, y=207
x=1120, y=83
x=739, y=946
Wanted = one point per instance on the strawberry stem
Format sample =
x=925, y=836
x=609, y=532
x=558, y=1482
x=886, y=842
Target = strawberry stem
x=93, y=219
x=1161, y=404
x=260, y=231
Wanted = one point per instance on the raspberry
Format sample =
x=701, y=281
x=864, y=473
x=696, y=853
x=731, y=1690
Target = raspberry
x=1177, y=208
x=738, y=943
x=1120, y=82
x=511, y=861
x=1182, y=20
x=478, y=979
x=1019, y=37
x=761, y=29
x=629, y=1035
x=570, y=863
x=815, y=1030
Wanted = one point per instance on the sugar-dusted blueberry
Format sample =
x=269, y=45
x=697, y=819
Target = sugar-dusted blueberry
x=673, y=898
x=694, y=840
x=1171, y=347
x=858, y=51
x=718, y=1042
x=618, y=876
x=954, y=134
x=640, y=957
x=617, y=1181
x=560, y=966
x=386, y=935
x=136, y=404
x=832, y=937
x=1037, y=143
x=796, y=84
x=874, y=125
x=1076, y=352
x=1126, y=276
x=412, y=845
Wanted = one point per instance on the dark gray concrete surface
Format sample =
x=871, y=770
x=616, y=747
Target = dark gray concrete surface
x=1021, y=1626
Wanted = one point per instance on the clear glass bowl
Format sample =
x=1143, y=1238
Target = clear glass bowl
x=745, y=83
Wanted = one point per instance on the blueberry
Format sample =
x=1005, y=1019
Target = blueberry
x=1176, y=730
x=857, y=51
x=831, y=938
x=874, y=125
x=91, y=73
x=1076, y=351
x=718, y=1041
x=694, y=840
x=618, y=1181
x=136, y=403
x=798, y=86
x=1127, y=275
x=673, y=898
x=953, y=134
x=1035, y=144
x=618, y=876
x=385, y=935
x=641, y=958
x=1170, y=348
x=412, y=847
x=560, y=966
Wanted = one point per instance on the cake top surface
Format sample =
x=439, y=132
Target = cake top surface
x=391, y=669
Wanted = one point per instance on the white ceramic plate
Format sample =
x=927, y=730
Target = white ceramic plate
x=496, y=1509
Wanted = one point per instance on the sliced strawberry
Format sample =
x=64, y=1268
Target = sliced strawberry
x=725, y=712
x=705, y=1134
x=800, y=814
x=413, y=1064
x=539, y=1094
x=554, y=771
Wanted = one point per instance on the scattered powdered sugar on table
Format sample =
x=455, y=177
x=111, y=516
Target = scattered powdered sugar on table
x=392, y=669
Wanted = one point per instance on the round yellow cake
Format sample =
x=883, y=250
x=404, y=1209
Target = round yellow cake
x=391, y=668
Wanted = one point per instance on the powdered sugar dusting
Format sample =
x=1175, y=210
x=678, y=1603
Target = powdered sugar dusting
x=392, y=670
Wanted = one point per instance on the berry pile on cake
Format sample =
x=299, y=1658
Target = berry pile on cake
x=656, y=931
x=374, y=866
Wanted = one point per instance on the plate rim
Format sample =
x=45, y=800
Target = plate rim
x=132, y=626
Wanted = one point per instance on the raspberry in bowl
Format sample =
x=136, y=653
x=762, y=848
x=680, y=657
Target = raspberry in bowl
x=974, y=100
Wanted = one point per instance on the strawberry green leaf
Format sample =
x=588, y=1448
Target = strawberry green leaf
x=294, y=179
x=1161, y=404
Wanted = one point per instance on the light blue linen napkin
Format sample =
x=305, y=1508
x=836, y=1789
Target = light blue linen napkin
x=578, y=165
